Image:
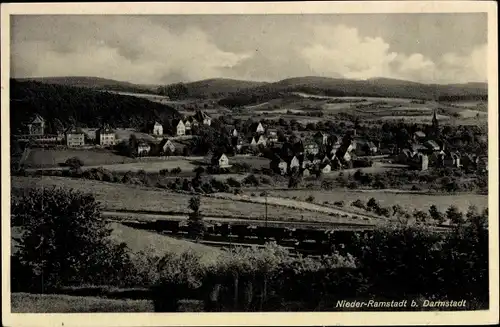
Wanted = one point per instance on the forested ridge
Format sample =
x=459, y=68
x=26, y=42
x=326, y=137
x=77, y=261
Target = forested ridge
x=62, y=105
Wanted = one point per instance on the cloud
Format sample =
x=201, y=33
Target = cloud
x=341, y=49
x=131, y=50
x=145, y=50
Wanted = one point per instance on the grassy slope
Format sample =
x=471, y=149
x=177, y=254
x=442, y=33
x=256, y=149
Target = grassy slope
x=141, y=240
x=55, y=303
x=119, y=196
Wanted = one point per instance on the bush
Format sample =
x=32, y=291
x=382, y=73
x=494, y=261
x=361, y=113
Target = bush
x=358, y=204
x=74, y=163
x=163, y=172
x=339, y=203
x=251, y=180
x=310, y=198
x=233, y=182
x=176, y=171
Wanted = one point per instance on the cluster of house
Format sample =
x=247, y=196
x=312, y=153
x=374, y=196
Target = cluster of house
x=185, y=126
x=323, y=152
x=425, y=151
x=73, y=136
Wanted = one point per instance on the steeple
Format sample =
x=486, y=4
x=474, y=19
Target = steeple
x=434, y=119
x=435, y=124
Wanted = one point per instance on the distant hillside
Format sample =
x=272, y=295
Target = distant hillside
x=94, y=83
x=209, y=88
x=378, y=87
x=64, y=105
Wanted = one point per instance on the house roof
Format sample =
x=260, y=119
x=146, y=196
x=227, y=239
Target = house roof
x=74, y=130
x=201, y=115
x=143, y=144
x=420, y=134
x=105, y=130
x=432, y=144
x=158, y=124
x=37, y=119
x=176, y=122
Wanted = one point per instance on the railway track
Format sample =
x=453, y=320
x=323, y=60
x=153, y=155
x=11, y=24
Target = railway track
x=122, y=216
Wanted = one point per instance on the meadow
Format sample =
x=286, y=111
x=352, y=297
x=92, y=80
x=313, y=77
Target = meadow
x=409, y=201
x=45, y=158
x=113, y=196
x=57, y=303
x=153, y=243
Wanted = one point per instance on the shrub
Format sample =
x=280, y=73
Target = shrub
x=251, y=180
x=233, y=182
x=358, y=204
x=265, y=180
x=163, y=172
x=74, y=163
x=310, y=198
x=176, y=171
x=339, y=203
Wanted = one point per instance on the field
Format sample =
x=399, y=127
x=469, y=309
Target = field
x=45, y=158
x=55, y=303
x=128, y=197
x=141, y=240
x=149, y=166
x=406, y=200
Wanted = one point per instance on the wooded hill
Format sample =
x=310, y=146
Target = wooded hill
x=66, y=105
x=378, y=87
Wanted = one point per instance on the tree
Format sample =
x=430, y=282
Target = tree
x=74, y=163
x=420, y=216
x=454, y=216
x=196, y=224
x=436, y=214
x=64, y=241
x=293, y=181
x=132, y=145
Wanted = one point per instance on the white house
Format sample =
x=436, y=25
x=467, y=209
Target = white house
x=326, y=169
x=321, y=138
x=105, y=136
x=306, y=172
x=157, y=129
x=234, y=132
x=167, y=145
x=203, y=118
x=187, y=126
x=221, y=161
x=306, y=163
x=253, y=142
x=294, y=163
x=143, y=149
x=180, y=128
x=36, y=126
x=262, y=140
x=259, y=128
x=74, y=137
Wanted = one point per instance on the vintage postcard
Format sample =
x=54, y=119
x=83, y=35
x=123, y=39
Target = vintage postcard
x=275, y=164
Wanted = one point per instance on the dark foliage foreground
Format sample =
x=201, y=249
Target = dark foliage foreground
x=65, y=243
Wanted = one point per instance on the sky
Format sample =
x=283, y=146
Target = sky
x=164, y=49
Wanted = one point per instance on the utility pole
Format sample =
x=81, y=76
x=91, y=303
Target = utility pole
x=266, y=208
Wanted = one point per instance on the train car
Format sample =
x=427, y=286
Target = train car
x=317, y=235
x=171, y=226
x=242, y=231
x=222, y=229
x=276, y=233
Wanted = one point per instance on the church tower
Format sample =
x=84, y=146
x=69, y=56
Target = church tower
x=435, y=124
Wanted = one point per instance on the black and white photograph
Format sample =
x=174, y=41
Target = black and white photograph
x=230, y=162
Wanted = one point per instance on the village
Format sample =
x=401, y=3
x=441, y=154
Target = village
x=318, y=152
